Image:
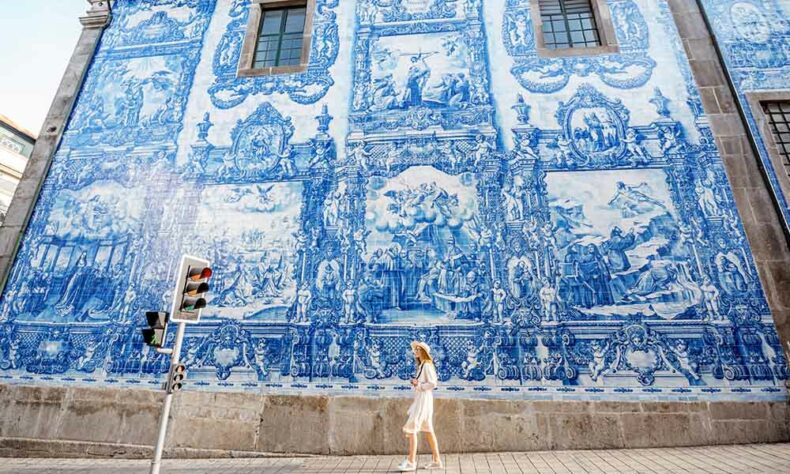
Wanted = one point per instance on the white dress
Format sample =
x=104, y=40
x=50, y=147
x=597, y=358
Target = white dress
x=421, y=409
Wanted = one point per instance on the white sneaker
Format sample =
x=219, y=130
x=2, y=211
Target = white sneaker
x=433, y=465
x=407, y=466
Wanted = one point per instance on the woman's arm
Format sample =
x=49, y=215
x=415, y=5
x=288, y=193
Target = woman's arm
x=431, y=379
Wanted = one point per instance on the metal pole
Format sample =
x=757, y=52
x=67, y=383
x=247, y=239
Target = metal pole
x=160, y=442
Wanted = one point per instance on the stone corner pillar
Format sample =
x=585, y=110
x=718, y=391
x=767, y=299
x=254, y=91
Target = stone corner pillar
x=97, y=16
x=95, y=20
x=761, y=220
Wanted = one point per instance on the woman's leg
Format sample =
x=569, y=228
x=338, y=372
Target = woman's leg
x=434, y=446
x=412, y=447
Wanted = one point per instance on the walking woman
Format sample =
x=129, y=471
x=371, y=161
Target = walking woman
x=421, y=410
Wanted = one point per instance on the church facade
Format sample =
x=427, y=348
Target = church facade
x=554, y=226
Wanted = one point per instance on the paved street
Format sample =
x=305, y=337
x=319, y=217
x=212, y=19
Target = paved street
x=741, y=459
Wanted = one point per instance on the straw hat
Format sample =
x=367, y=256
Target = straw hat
x=425, y=347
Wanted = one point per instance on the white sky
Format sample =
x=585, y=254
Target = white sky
x=37, y=38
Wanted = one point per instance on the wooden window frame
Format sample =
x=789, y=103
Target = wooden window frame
x=603, y=21
x=247, y=60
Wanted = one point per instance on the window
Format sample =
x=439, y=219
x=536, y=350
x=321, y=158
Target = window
x=573, y=27
x=778, y=115
x=280, y=37
x=771, y=113
x=568, y=24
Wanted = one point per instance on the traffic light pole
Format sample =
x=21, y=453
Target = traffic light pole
x=160, y=442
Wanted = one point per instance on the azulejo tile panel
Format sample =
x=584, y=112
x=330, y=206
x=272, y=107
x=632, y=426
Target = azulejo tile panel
x=754, y=38
x=402, y=188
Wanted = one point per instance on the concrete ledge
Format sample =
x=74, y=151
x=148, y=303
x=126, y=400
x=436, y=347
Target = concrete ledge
x=77, y=421
x=38, y=448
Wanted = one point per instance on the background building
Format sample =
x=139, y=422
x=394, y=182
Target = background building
x=16, y=145
x=536, y=189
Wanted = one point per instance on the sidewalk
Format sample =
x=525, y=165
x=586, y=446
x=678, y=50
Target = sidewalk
x=740, y=459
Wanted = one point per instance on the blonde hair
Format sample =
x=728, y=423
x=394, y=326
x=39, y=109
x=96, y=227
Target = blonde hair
x=422, y=356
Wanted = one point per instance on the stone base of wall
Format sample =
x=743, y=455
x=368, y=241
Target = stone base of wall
x=76, y=421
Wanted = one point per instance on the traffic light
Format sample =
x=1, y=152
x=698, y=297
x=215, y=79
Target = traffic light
x=191, y=289
x=154, y=334
x=175, y=380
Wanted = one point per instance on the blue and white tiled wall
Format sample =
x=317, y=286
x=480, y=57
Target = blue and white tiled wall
x=754, y=39
x=553, y=228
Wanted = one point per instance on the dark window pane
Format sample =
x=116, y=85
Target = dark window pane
x=295, y=21
x=778, y=114
x=591, y=36
x=571, y=21
x=272, y=20
x=281, y=37
x=558, y=25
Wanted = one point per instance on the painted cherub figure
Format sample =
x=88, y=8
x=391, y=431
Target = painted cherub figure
x=684, y=360
x=710, y=294
x=634, y=148
x=471, y=361
x=498, y=294
x=303, y=299
x=349, y=303
x=549, y=301
x=482, y=150
x=598, y=364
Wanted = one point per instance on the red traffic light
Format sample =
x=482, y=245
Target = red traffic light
x=196, y=274
x=192, y=288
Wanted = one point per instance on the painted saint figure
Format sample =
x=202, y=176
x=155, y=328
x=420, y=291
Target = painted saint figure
x=392, y=266
x=732, y=277
x=615, y=249
x=596, y=275
x=384, y=95
x=521, y=280
x=77, y=285
x=573, y=288
x=429, y=281
x=417, y=77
